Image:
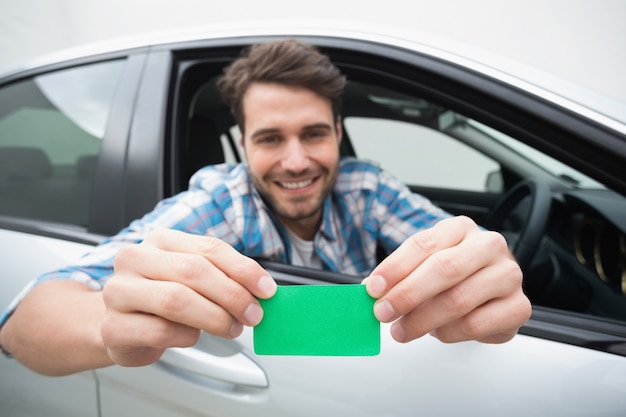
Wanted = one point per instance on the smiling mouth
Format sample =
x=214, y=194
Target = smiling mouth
x=294, y=185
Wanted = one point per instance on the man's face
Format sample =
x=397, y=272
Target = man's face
x=291, y=143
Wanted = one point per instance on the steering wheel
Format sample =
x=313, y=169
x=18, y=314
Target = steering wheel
x=523, y=242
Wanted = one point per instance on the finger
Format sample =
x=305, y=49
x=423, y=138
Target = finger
x=173, y=302
x=227, y=259
x=139, y=339
x=415, y=250
x=459, y=301
x=442, y=271
x=495, y=322
x=193, y=272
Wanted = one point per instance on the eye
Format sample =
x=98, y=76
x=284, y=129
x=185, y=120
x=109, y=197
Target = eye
x=314, y=134
x=267, y=140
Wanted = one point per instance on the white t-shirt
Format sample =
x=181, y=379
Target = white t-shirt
x=303, y=252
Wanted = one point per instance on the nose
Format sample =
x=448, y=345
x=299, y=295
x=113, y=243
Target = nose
x=295, y=157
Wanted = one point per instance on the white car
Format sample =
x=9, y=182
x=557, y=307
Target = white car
x=91, y=141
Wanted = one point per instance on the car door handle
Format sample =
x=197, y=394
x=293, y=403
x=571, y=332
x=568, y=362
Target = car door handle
x=238, y=368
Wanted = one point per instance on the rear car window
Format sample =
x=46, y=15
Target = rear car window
x=51, y=130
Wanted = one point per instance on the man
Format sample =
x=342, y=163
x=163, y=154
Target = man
x=187, y=266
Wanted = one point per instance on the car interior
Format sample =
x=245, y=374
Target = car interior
x=29, y=181
x=31, y=177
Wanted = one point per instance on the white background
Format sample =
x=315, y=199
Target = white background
x=580, y=40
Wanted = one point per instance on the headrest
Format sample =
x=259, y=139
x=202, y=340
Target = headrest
x=21, y=163
x=86, y=165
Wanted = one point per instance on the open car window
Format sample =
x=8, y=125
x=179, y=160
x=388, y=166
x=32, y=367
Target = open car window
x=463, y=165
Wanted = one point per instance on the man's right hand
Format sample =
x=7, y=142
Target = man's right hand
x=172, y=286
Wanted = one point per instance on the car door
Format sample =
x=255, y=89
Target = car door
x=218, y=377
x=561, y=363
x=55, y=128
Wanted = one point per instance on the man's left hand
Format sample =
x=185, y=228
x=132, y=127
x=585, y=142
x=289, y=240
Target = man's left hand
x=454, y=281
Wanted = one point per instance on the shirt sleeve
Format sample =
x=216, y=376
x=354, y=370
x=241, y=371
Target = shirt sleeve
x=402, y=212
x=94, y=268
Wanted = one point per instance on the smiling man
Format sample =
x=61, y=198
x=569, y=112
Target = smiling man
x=187, y=266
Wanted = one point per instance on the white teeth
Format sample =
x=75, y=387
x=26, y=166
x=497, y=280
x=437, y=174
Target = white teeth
x=294, y=185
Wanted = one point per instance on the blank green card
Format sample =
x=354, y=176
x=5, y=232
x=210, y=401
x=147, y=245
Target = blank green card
x=321, y=320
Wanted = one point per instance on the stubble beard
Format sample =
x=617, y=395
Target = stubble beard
x=299, y=208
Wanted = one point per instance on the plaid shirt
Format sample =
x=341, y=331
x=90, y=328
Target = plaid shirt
x=367, y=207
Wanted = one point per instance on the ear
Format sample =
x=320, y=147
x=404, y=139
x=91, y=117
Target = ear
x=338, y=129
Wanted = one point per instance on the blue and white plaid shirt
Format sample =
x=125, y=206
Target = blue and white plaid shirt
x=367, y=207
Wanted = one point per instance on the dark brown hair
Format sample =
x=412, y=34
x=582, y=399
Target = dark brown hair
x=288, y=62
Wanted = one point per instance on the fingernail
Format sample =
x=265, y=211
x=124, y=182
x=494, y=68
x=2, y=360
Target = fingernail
x=383, y=310
x=397, y=332
x=253, y=314
x=266, y=286
x=376, y=286
x=235, y=329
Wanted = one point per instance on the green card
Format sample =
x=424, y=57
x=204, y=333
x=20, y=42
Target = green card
x=318, y=320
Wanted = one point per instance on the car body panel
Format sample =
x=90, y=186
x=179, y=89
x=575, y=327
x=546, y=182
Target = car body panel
x=25, y=393
x=22, y=392
x=425, y=376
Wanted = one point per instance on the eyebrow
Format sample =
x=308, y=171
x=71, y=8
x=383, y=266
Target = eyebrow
x=318, y=126
x=262, y=132
x=271, y=130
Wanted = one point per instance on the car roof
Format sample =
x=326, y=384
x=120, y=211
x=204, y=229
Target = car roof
x=593, y=105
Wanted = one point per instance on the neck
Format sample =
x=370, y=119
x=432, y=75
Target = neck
x=305, y=229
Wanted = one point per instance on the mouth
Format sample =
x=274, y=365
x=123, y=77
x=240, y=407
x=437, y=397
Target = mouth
x=295, y=185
